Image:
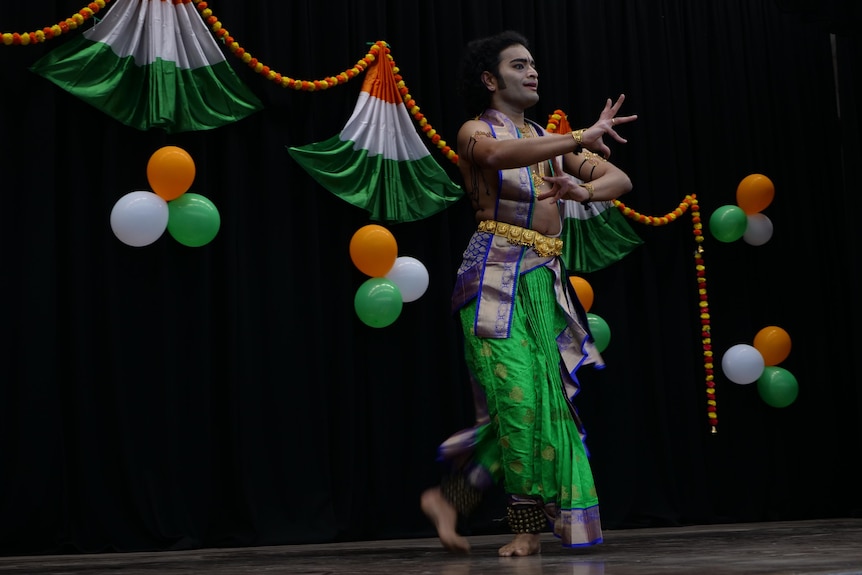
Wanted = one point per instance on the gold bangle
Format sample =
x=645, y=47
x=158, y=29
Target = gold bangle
x=589, y=187
x=577, y=136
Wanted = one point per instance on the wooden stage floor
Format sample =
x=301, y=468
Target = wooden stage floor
x=826, y=547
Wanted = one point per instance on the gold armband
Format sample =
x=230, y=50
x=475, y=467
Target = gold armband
x=577, y=136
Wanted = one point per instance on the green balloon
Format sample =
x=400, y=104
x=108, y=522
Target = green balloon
x=193, y=220
x=600, y=330
x=777, y=386
x=378, y=302
x=728, y=223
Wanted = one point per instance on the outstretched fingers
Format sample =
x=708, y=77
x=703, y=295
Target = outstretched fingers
x=608, y=119
x=618, y=121
x=611, y=108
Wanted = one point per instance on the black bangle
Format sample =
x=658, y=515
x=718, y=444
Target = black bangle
x=587, y=203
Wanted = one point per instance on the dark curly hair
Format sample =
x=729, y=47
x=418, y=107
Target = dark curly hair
x=481, y=55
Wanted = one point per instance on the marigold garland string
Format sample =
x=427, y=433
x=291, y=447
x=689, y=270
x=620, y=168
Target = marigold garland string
x=221, y=33
x=50, y=32
x=688, y=203
x=312, y=85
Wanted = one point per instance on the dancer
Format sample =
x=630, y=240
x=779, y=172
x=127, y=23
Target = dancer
x=525, y=333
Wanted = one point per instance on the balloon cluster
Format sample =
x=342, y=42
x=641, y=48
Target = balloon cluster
x=744, y=220
x=394, y=280
x=140, y=218
x=745, y=364
x=599, y=328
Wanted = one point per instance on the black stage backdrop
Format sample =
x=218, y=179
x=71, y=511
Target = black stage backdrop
x=168, y=397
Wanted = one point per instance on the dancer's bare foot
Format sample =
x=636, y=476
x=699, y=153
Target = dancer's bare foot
x=522, y=545
x=445, y=518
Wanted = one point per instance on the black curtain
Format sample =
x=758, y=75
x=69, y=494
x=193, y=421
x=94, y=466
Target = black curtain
x=168, y=397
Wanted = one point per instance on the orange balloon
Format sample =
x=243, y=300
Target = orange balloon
x=170, y=172
x=584, y=291
x=773, y=343
x=373, y=250
x=754, y=193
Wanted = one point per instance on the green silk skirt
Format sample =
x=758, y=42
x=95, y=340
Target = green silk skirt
x=532, y=443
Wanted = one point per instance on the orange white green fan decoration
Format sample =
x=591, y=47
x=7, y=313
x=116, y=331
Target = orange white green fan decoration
x=151, y=64
x=378, y=162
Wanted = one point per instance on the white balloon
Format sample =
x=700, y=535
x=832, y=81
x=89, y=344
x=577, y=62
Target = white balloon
x=139, y=218
x=411, y=277
x=742, y=364
x=758, y=230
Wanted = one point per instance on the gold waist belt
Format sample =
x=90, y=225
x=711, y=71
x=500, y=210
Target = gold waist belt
x=543, y=245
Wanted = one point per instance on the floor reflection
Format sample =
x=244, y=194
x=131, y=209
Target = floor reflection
x=534, y=565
